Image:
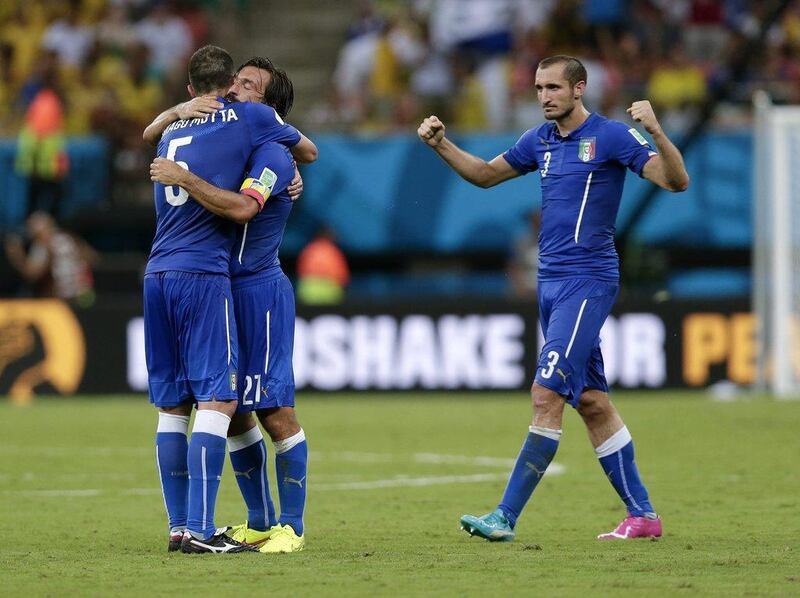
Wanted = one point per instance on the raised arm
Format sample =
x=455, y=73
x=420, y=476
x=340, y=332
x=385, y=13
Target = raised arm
x=237, y=207
x=194, y=108
x=666, y=169
x=471, y=168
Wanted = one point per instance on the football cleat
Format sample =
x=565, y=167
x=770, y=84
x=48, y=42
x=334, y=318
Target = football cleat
x=219, y=543
x=283, y=539
x=493, y=526
x=634, y=527
x=253, y=537
x=175, y=538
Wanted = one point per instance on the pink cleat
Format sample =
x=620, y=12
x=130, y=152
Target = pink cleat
x=634, y=527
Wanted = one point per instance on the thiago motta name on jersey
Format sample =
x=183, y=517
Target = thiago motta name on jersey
x=225, y=115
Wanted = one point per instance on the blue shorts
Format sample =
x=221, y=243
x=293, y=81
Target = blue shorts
x=572, y=312
x=264, y=307
x=190, y=338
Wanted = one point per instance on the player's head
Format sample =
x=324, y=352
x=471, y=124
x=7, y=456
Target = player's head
x=210, y=71
x=280, y=93
x=259, y=80
x=560, y=83
x=251, y=80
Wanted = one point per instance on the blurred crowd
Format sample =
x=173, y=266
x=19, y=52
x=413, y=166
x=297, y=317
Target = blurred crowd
x=78, y=67
x=473, y=61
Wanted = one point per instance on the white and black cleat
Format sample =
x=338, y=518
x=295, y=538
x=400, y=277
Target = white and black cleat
x=219, y=543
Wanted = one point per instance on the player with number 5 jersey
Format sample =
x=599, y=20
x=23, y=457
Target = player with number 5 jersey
x=582, y=158
x=190, y=330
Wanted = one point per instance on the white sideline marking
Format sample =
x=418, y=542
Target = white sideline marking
x=57, y=493
x=399, y=481
x=404, y=482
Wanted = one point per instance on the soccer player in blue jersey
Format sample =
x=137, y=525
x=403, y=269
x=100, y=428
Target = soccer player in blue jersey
x=263, y=302
x=581, y=158
x=190, y=331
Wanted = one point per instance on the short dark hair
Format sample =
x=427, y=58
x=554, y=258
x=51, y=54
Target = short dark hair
x=210, y=68
x=280, y=92
x=574, y=71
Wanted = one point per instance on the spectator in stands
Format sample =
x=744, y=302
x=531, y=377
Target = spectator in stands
x=41, y=152
x=23, y=32
x=57, y=264
x=168, y=38
x=322, y=271
x=676, y=86
x=69, y=39
x=523, y=266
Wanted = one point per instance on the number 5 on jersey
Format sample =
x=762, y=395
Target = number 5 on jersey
x=177, y=196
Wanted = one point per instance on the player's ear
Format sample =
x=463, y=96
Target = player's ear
x=190, y=89
x=578, y=90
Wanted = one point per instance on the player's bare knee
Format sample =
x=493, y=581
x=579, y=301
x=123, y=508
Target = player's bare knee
x=241, y=423
x=594, y=404
x=280, y=423
x=545, y=400
x=183, y=409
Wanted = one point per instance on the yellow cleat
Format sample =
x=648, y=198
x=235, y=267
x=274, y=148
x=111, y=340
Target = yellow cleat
x=283, y=539
x=253, y=537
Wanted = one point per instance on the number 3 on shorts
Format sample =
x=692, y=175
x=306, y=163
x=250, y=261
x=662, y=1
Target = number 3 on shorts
x=552, y=357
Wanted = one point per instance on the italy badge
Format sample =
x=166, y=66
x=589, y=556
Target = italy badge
x=586, y=148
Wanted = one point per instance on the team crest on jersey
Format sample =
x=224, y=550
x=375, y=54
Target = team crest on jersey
x=587, y=147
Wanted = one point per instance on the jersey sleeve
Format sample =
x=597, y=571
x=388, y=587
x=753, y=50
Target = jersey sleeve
x=266, y=125
x=263, y=177
x=630, y=148
x=522, y=155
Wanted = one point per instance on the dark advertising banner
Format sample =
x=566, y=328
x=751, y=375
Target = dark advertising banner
x=48, y=347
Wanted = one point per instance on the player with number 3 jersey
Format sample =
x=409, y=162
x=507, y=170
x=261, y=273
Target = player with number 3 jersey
x=582, y=159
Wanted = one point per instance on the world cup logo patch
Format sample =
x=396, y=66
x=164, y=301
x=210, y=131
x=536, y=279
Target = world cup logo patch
x=587, y=148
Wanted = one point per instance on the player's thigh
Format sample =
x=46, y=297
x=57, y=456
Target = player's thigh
x=166, y=383
x=266, y=318
x=595, y=370
x=209, y=338
x=578, y=309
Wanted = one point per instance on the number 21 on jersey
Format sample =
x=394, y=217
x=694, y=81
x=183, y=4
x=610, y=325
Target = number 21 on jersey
x=177, y=196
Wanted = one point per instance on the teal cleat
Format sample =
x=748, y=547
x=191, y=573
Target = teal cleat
x=493, y=526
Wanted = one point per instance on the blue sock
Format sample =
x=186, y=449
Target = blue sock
x=616, y=458
x=291, y=466
x=536, y=454
x=249, y=459
x=206, y=460
x=171, y=449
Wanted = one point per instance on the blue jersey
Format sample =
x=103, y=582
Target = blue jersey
x=582, y=177
x=216, y=148
x=257, y=242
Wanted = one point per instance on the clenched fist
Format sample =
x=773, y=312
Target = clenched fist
x=642, y=112
x=431, y=131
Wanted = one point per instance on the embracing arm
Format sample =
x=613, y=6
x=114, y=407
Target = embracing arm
x=194, y=108
x=237, y=207
x=666, y=169
x=471, y=168
x=304, y=151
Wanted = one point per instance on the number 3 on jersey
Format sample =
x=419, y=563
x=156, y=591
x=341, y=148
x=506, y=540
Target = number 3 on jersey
x=552, y=358
x=177, y=196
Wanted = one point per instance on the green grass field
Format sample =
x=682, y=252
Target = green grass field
x=389, y=477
